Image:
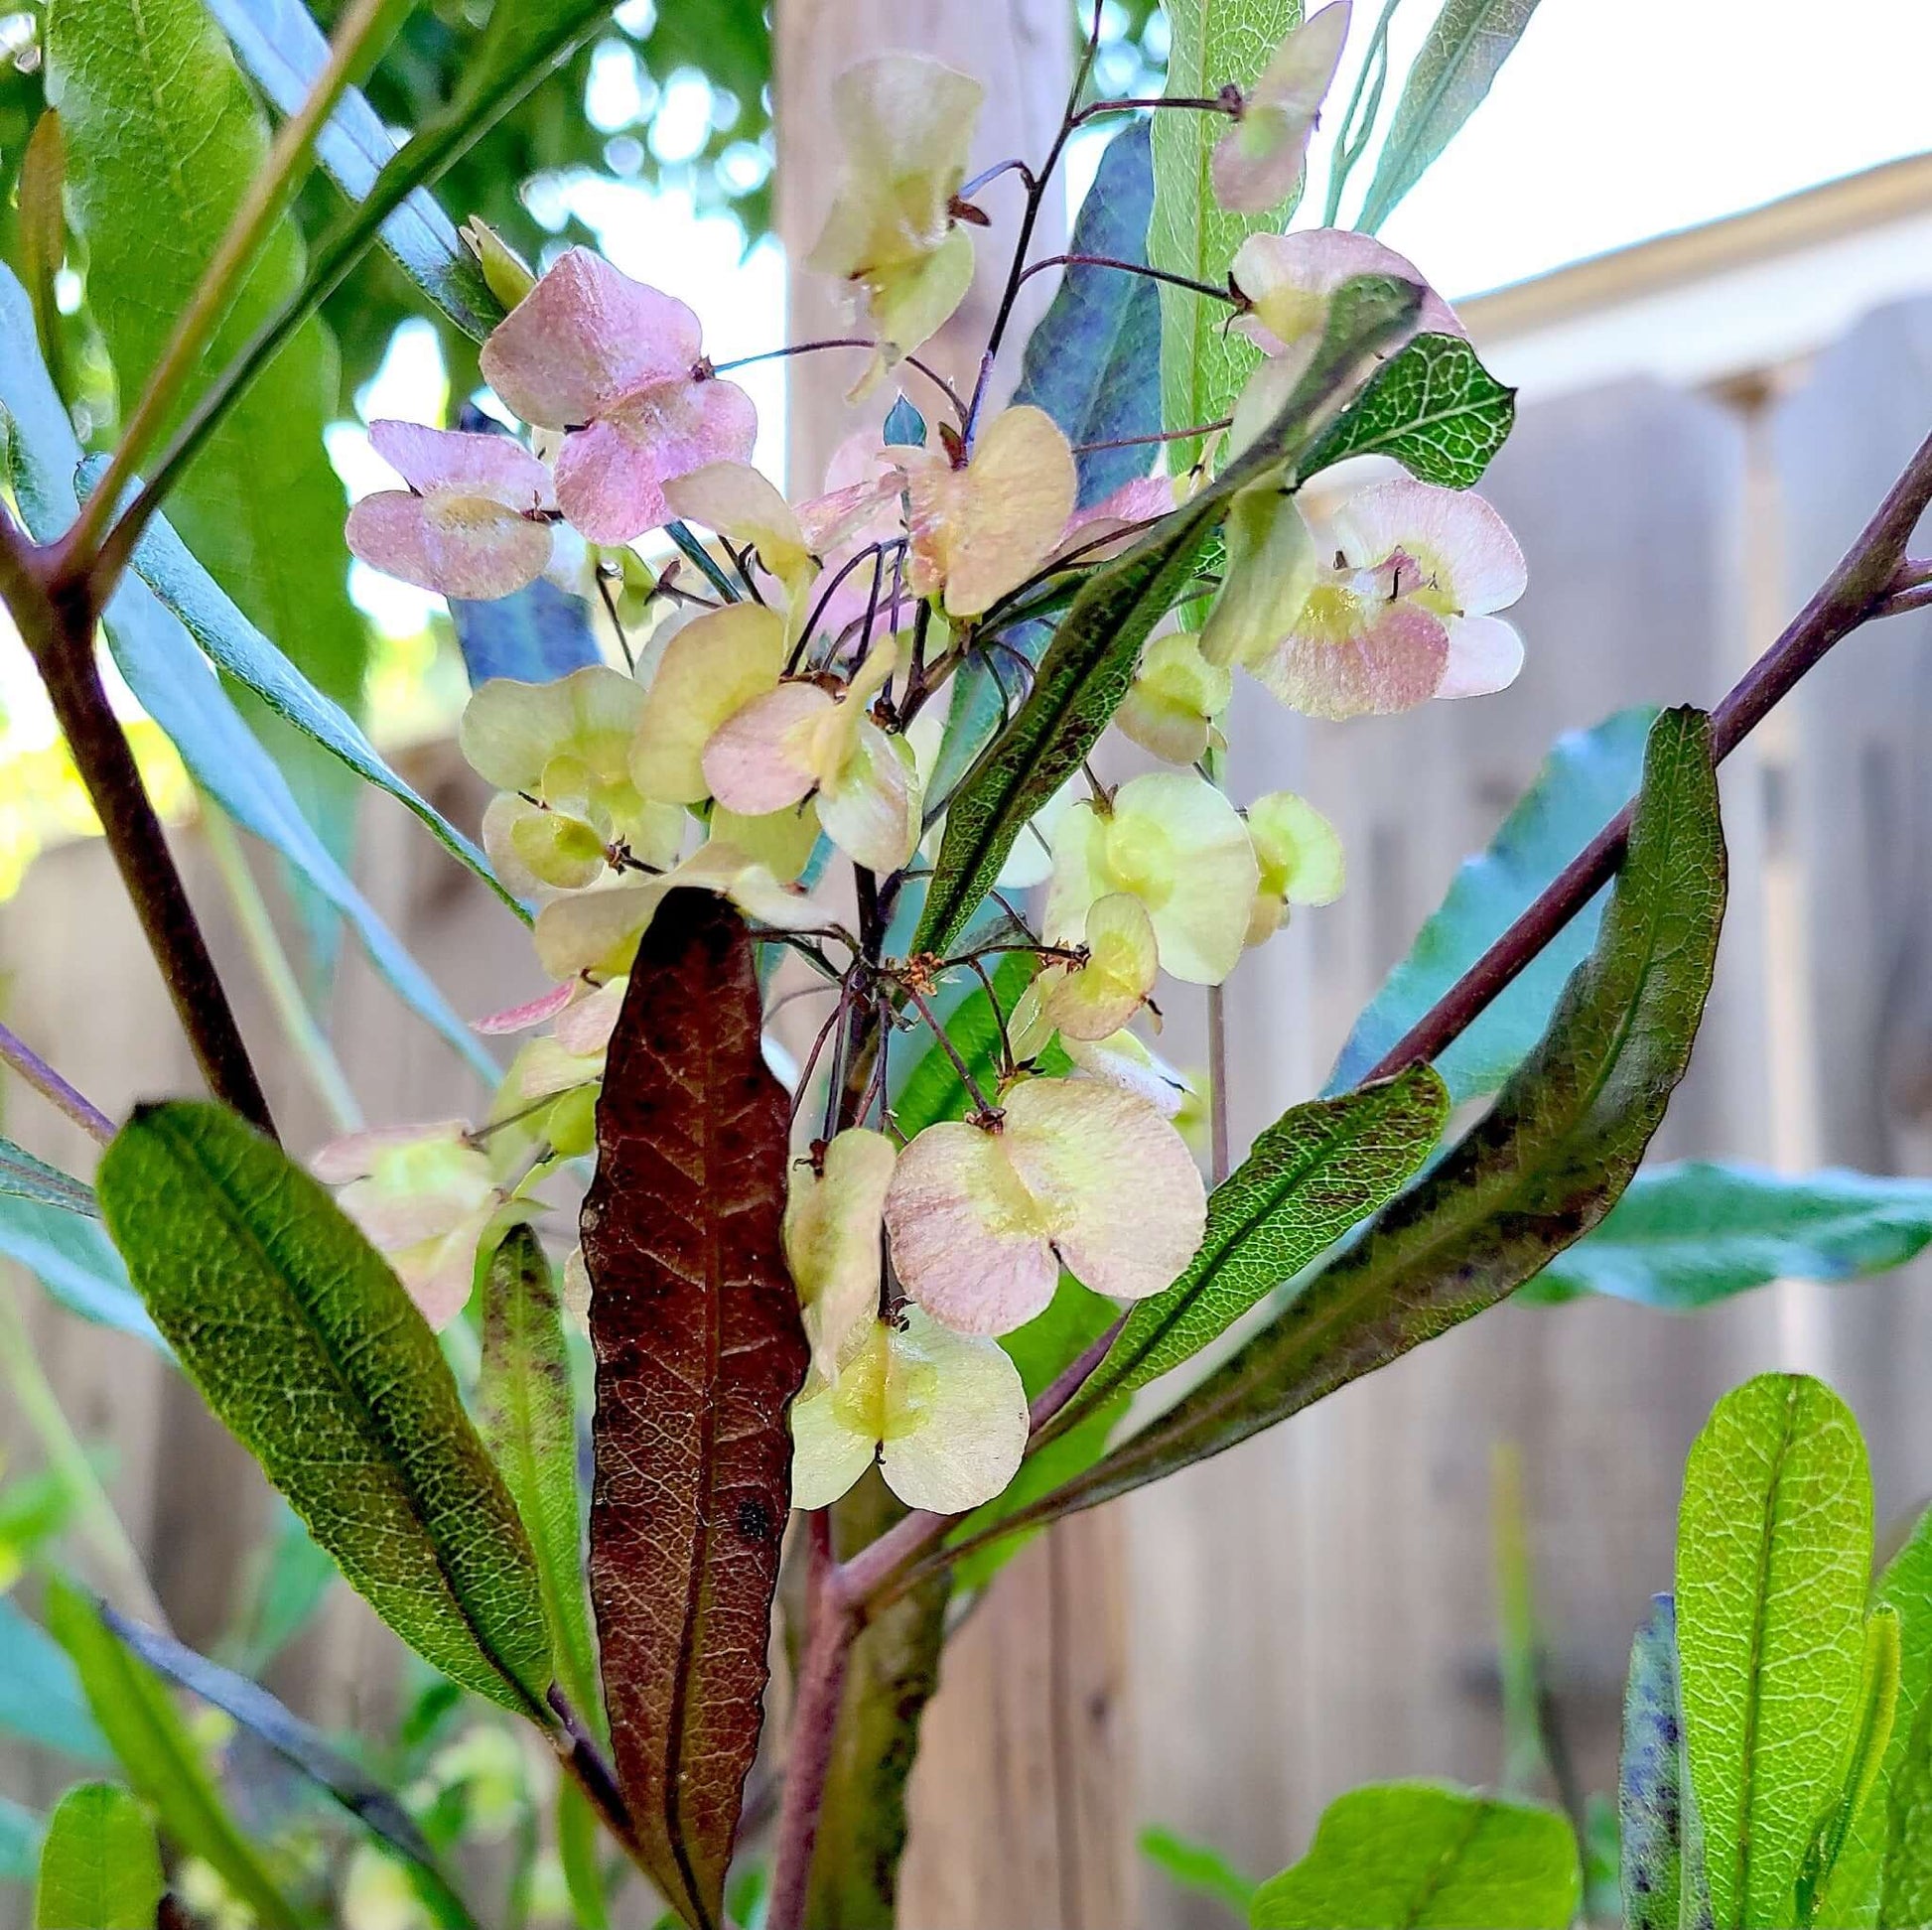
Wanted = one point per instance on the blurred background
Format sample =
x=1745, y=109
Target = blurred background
x=1705, y=252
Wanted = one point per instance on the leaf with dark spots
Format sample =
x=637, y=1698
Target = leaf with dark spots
x=1651, y=1782
x=699, y=1351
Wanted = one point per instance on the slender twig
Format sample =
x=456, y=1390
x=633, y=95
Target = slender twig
x=987, y=176
x=707, y=564
x=925, y=369
x=261, y=205
x=1155, y=436
x=271, y=961
x=830, y=1630
x=983, y=1107
x=1352, y=140
x=1229, y=103
x=584, y=1762
x=60, y=641
x=16, y=1052
x=607, y=595
x=1046, y=262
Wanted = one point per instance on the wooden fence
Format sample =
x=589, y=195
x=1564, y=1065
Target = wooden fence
x=1224, y=1653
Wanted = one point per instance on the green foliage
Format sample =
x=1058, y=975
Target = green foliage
x=1310, y=1176
x=1434, y=408
x=99, y=1864
x=235, y=644
x=159, y=1757
x=1543, y=1167
x=297, y=1743
x=22, y=1176
x=1587, y=777
x=1774, y=1546
x=1466, y=48
x=1683, y=1236
x=1857, y=1780
x=1203, y=364
x=1093, y=362
x=1426, y=1856
x=163, y=139
x=1652, y=1785
x=76, y=1261
x=523, y=1406
x=242, y=1257
x=1192, y=1866
x=41, y=1698
x=170, y=677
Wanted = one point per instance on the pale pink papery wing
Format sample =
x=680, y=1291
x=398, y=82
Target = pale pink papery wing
x=611, y=475
x=758, y=760
x=1393, y=662
x=460, y=546
x=496, y=466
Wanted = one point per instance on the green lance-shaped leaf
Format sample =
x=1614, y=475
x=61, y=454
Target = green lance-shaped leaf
x=1461, y=56
x=1884, y=1871
x=101, y=1867
x=1414, y=1856
x=1878, y=1708
x=170, y=677
x=1310, y=1176
x=1434, y=408
x=1773, y=1551
x=1683, y=1236
x=892, y=1675
x=1093, y=361
x=1203, y=363
x=1651, y=1787
x=699, y=1351
x=41, y=1698
x=283, y=50
x=1199, y=1866
x=74, y=1259
x=159, y=1757
x=528, y=1420
x=162, y=561
x=297, y=1743
x=1543, y=1167
x=22, y=1176
x=163, y=140
x=305, y=1343
x=1587, y=777
x=1089, y=665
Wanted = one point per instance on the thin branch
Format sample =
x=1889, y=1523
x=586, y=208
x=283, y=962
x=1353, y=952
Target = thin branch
x=1155, y=436
x=987, y=176
x=63, y=651
x=16, y=1052
x=1046, y=262
x=260, y=207
x=926, y=369
x=1229, y=103
x=707, y=564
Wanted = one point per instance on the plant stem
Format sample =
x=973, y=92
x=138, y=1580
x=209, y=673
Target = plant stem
x=1132, y=268
x=926, y=369
x=16, y=1052
x=68, y=1461
x=1220, y=103
x=271, y=960
x=60, y=639
x=830, y=1630
x=1856, y=591
x=261, y=207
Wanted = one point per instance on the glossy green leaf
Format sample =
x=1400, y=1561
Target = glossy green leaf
x=1089, y=665
x=1093, y=361
x=19, y=1842
x=1427, y=1857
x=1683, y=1236
x=283, y=50
x=1537, y=1173
x=41, y=1698
x=22, y=1176
x=1312, y=1176
x=241, y=1257
x=163, y=140
x=101, y=1868
x=1878, y=1707
x=297, y=1743
x=1651, y=1785
x=1587, y=777
x=74, y=1259
x=1461, y=56
x=1434, y=409
x=1203, y=363
x=523, y=1406
x=159, y=1757
x=892, y=1676
x=235, y=645
x=1773, y=1552
x=170, y=677
x=1192, y=1866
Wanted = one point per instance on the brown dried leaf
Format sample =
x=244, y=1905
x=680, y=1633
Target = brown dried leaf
x=699, y=1351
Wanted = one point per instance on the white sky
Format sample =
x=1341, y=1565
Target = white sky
x=1614, y=122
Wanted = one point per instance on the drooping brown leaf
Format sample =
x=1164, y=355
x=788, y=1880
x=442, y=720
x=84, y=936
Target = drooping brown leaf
x=699, y=1351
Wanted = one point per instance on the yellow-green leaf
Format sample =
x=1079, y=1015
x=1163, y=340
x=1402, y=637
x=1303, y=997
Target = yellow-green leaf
x=99, y=1864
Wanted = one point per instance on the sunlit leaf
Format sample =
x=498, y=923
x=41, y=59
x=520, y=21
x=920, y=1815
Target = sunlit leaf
x=1434, y=409
x=99, y=1864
